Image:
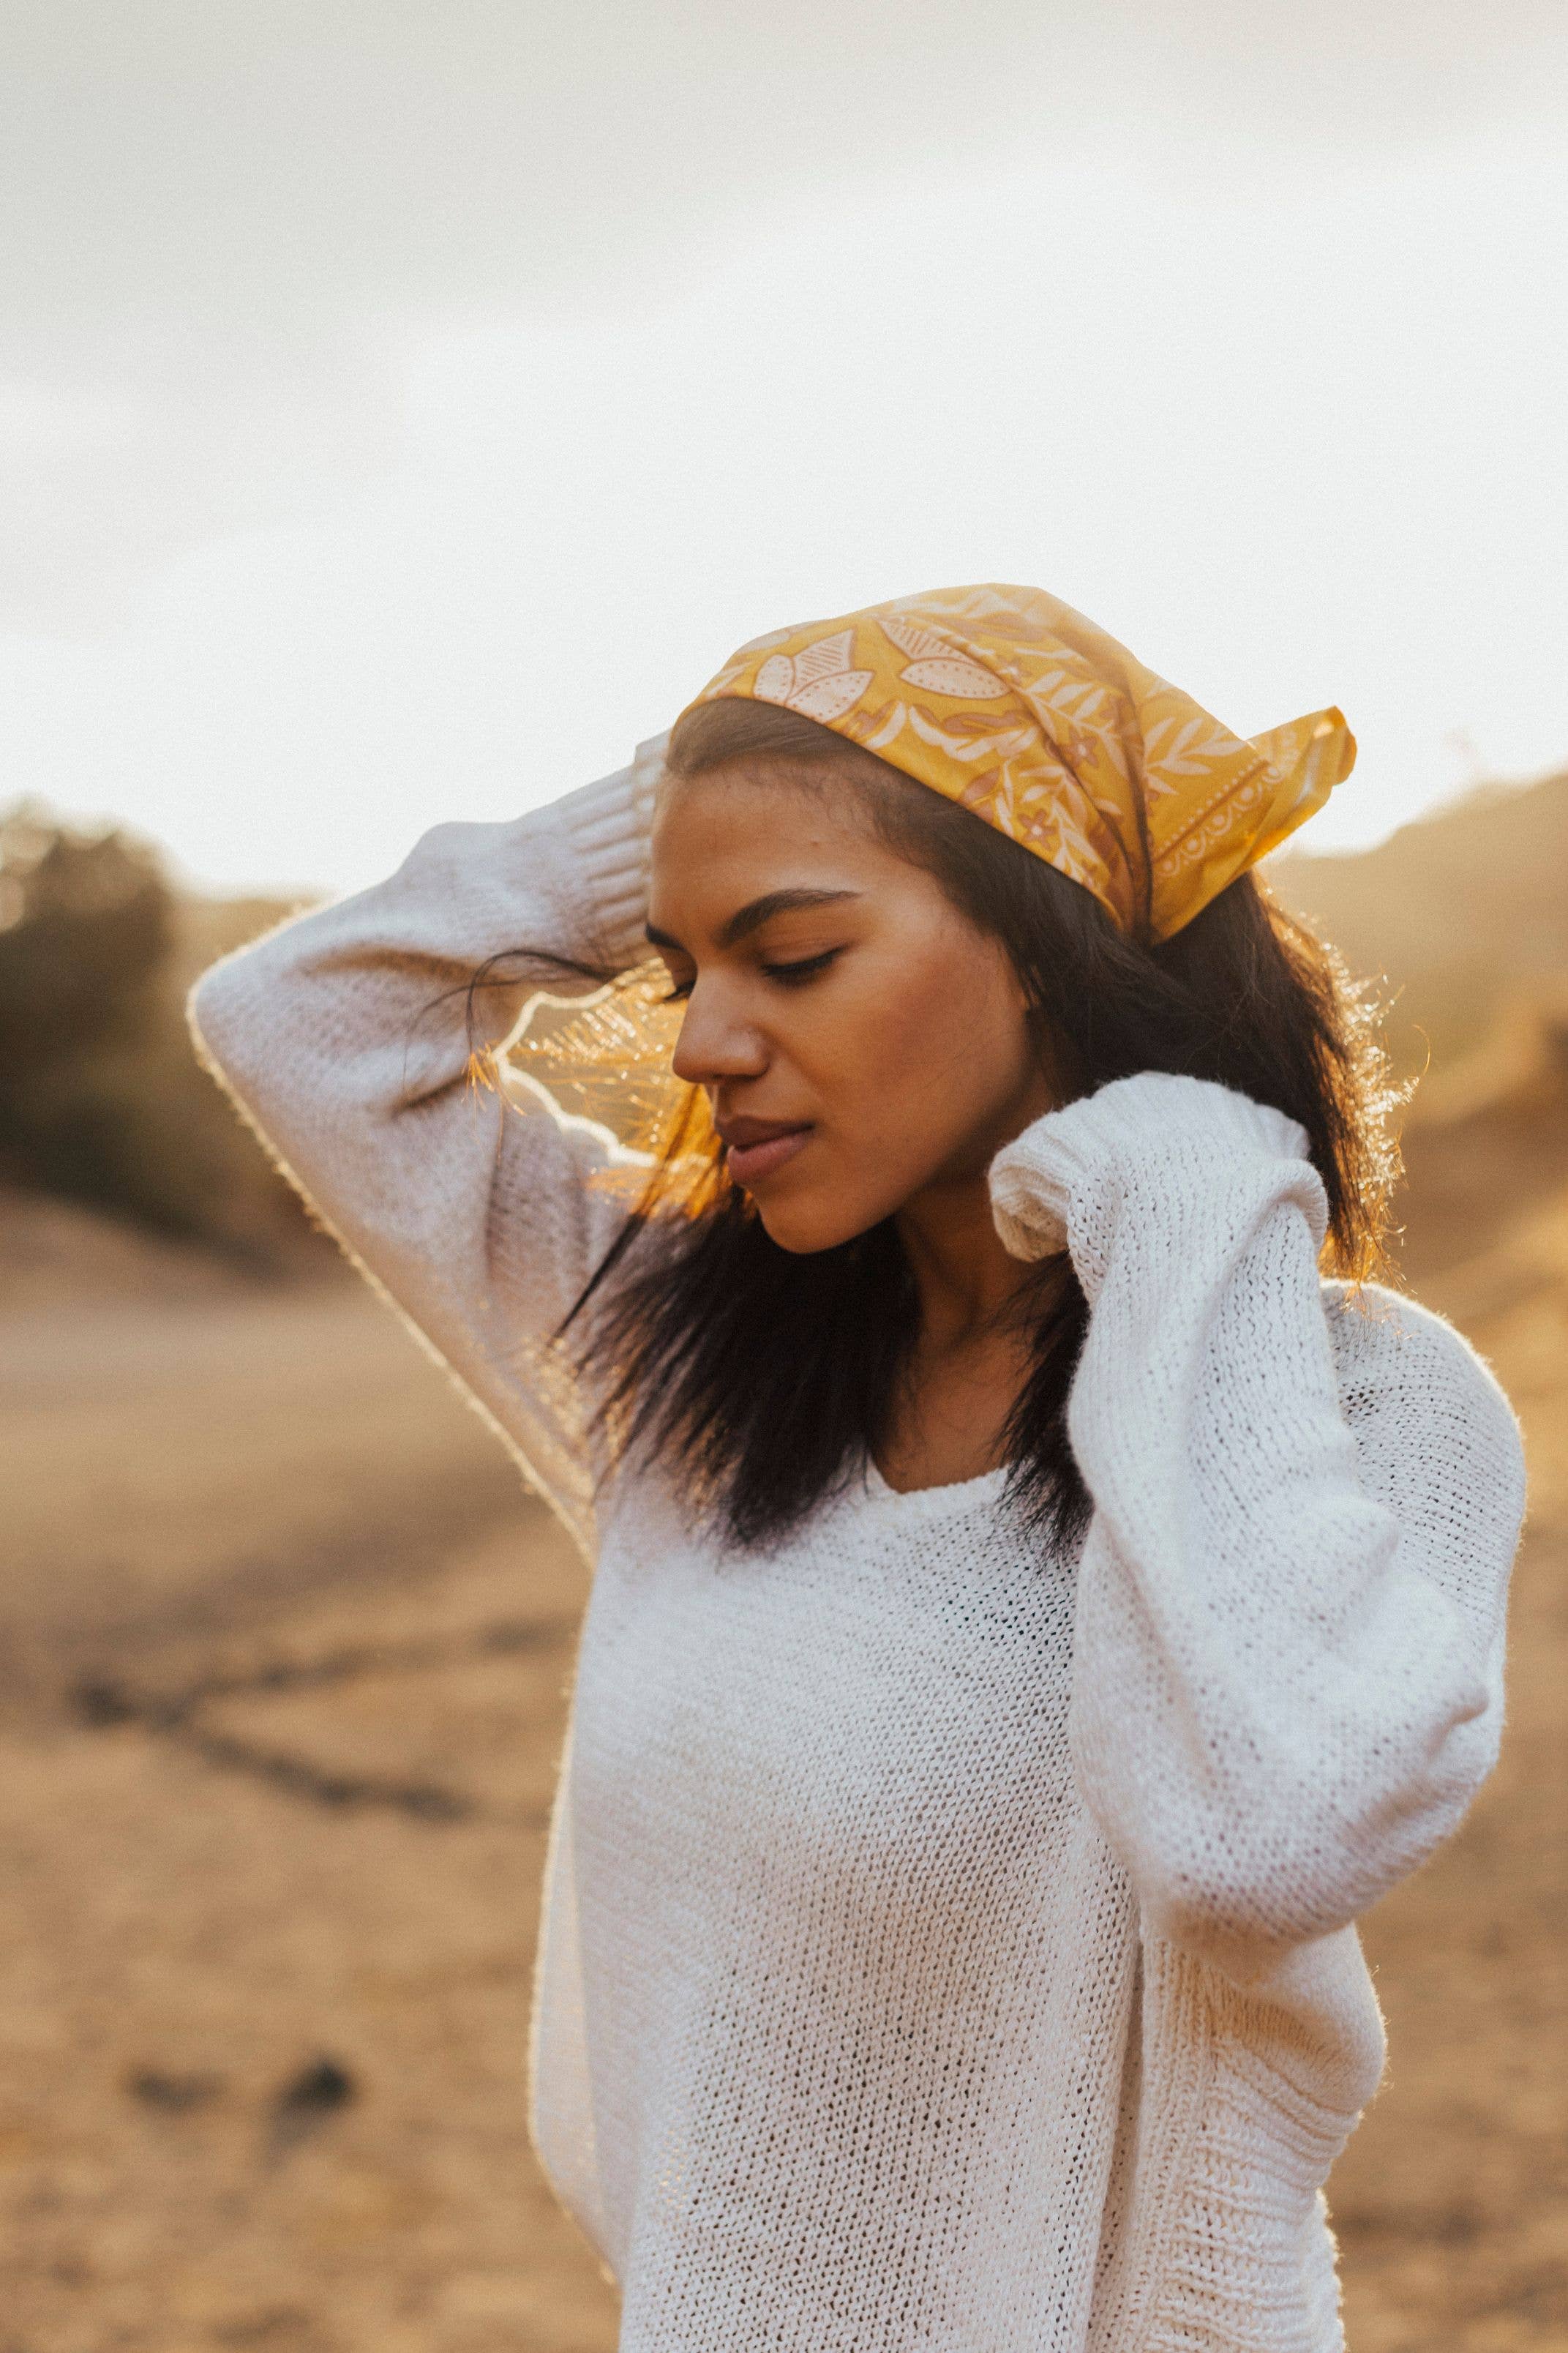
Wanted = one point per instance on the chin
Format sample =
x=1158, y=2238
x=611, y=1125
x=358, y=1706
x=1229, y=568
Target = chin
x=805, y=1227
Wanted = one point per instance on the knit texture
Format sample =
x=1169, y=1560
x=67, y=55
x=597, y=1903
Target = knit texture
x=947, y=1942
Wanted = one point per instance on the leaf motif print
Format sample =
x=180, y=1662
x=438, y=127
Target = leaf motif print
x=817, y=681
x=934, y=667
x=876, y=728
x=830, y=698
x=826, y=657
x=1090, y=709
x=991, y=793
x=1079, y=697
x=776, y=680
x=952, y=675
x=1176, y=747
x=1000, y=729
x=958, y=740
x=913, y=642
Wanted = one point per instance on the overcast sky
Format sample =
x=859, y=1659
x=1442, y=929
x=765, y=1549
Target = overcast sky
x=405, y=408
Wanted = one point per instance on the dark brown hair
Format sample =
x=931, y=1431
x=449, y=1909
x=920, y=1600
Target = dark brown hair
x=764, y=1376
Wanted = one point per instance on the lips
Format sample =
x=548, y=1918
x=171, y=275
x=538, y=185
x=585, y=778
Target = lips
x=757, y=1149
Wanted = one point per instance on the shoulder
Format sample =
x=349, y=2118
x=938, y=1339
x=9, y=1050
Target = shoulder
x=1435, y=1437
x=1386, y=1345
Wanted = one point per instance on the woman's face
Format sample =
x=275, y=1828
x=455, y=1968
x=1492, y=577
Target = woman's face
x=860, y=1042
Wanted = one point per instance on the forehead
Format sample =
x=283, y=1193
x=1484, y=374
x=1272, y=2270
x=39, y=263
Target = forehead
x=737, y=832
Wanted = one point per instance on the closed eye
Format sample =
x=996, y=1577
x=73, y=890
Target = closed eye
x=794, y=975
x=788, y=975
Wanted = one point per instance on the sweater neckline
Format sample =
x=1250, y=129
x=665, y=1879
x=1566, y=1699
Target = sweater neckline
x=934, y=1503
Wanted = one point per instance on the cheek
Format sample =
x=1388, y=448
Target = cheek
x=920, y=1060
x=902, y=1076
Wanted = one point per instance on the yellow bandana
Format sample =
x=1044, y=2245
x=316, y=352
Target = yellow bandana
x=1008, y=701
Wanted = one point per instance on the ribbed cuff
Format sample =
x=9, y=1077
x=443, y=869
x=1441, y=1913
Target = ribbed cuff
x=1028, y=1210
x=607, y=825
x=1055, y=1182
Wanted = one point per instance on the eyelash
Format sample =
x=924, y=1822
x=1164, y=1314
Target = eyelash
x=791, y=976
x=788, y=975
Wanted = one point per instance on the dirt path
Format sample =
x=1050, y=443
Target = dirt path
x=285, y=1657
x=286, y=1650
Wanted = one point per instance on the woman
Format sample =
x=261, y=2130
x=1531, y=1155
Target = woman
x=1035, y=1612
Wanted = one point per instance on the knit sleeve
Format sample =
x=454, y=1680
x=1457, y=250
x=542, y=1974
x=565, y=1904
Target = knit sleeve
x=1289, y=1643
x=344, y=1037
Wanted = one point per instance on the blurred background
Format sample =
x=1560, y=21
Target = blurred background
x=402, y=409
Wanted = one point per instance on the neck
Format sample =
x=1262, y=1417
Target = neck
x=964, y=1280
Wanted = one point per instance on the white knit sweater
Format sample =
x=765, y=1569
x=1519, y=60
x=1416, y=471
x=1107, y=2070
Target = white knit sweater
x=947, y=1944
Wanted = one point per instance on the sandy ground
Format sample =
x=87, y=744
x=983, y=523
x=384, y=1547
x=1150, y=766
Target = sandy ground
x=284, y=1667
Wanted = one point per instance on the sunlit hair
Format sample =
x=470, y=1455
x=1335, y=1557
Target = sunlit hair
x=763, y=1378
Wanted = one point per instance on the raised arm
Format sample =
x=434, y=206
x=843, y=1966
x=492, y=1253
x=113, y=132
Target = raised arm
x=345, y=1039
x=1288, y=1666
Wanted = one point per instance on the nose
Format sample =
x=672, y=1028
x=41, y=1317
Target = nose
x=715, y=1042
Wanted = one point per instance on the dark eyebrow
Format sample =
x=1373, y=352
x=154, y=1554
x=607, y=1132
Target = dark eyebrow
x=757, y=912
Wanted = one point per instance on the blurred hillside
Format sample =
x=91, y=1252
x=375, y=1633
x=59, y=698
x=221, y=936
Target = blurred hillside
x=1465, y=912
x=101, y=1099
x=1464, y=916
